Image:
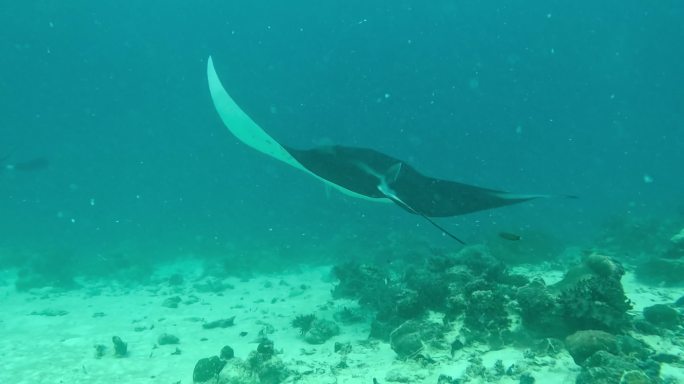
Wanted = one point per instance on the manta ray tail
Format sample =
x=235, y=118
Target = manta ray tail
x=443, y=230
x=429, y=220
x=391, y=176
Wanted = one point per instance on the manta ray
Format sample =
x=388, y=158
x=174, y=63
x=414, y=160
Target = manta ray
x=35, y=164
x=364, y=173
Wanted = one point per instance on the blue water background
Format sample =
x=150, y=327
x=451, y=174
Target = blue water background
x=581, y=98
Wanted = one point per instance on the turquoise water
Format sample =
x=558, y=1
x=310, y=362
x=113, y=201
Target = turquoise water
x=549, y=97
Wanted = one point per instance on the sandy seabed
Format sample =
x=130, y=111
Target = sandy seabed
x=49, y=336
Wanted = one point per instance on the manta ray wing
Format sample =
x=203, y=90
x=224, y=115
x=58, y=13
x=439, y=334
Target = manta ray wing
x=420, y=194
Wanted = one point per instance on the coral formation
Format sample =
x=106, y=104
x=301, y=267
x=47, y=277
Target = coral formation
x=607, y=358
x=583, y=344
x=227, y=353
x=303, y=323
x=265, y=365
x=176, y=280
x=679, y=302
x=320, y=331
x=120, y=347
x=165, y=339
x=596, y=303
x=315, y=331
x=676, y=248
x=100, y=350
x=470, y=283
x=494, y=307
x=624, y=236
x=666, y=266
x=350, y=316
x=606, y=368
x=366, y=283
x=171, y=302
x=221, y=323
x=486, y=318
x=207, y=369
x=261, y=367
x=590, y=297
x=539, y=310
x=410, y=338
x=659, y=270
x=663, y=315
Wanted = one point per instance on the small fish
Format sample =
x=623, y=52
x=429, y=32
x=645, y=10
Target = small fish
x=509, y=236
x=36, y=164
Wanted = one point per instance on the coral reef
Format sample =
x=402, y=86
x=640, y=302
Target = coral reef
x=624, y=235
x=221, y=323
x=227, y=353
x=662, y=315
x=676, y=248
x=207, y=369
x=320, y=331
x=176, y=280
x=100, y=350
x=486, y=318
x=540, y=311
x=590, y=297
x=471, y=283
x=50, y=312
x=236, y=371
x=315, y=331
x=265, y=365
x=171, y=302
x=350, y=316
x=55, y=268
x=366, y=283
x=166, y=339
x=120, y=347
x=596, y=303
x=409, y=339
x=658, y=270
x=679, y=302
x=261, y=367
x=606, y=358
x=494, y=308
x=212, y=285
x=583, y=344
x=303, y=323
x=606, y=368
x=667, y=266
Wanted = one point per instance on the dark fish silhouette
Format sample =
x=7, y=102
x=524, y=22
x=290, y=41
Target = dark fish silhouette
x=364, y=173
x=509, y=236
x=35, y=164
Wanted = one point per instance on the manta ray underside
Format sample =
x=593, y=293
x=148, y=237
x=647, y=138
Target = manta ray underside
x=364, y=173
